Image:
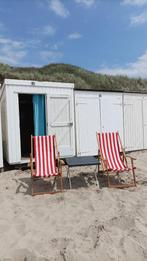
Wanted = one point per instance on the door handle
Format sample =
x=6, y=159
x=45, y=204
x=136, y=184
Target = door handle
x=63, y=124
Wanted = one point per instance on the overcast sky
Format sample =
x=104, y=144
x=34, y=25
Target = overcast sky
x=107, y=36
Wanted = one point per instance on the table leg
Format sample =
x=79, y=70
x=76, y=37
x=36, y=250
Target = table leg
x=96, y=179
x=68, y=175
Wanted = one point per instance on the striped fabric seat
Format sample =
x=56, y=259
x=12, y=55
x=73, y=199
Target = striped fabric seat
x=44, y=152
x=110, y=148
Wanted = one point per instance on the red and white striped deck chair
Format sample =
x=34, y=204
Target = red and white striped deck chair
x=113, y=157
x=46, y=160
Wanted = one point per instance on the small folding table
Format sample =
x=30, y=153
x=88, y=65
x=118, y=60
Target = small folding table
x=82, y=161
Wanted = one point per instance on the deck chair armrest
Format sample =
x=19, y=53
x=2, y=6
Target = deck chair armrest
x=104, y=161
x=132, y=161
x=132, y=158
x=101, y=158
x=59, y=162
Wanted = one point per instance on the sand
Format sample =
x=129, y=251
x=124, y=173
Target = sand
x=82, y=224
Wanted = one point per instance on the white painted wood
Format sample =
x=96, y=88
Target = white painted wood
x=1, y=150
x=4, y=124
x=144, y=104
x=111, y=113
x=61, y=122
x=13, y=128
x=34, y=84
x=133, y=122
x=87, y=123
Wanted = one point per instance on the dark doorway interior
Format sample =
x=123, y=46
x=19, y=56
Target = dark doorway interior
x=26, y=123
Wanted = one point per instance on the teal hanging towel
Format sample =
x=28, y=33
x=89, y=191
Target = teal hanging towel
x=39, y=114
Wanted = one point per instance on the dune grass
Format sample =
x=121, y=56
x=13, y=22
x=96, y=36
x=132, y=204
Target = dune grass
x=83, y=79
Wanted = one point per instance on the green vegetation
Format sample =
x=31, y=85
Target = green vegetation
x=83, y=79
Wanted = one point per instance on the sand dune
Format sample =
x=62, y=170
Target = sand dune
x=82, y=224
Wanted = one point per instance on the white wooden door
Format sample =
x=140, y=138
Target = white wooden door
x=145, y=121
x=111, y=113
x=60, y=122
x=87, y=124
x=133, y=122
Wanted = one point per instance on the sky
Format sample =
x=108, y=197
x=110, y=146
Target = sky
x=103, y=36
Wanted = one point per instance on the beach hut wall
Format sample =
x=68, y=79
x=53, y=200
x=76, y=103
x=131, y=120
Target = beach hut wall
x=110, y=112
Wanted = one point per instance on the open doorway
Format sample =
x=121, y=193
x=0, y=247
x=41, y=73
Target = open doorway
x=26, y=116
x=32, y=120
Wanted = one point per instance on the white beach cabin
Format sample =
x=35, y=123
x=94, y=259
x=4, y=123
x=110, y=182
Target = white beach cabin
x=37, y=108
x=107, y=112
x=40, y=108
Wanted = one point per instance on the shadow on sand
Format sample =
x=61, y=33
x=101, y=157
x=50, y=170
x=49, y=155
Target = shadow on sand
x=81, y=180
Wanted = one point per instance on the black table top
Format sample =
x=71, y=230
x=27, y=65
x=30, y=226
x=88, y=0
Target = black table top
x=81, y=161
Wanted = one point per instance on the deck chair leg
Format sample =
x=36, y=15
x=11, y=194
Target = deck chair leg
x=108, y=179
x=54, y=182
x=61, y=182
x=117, y=173
x=32, y=188
x=134, y=177
x=68, y=175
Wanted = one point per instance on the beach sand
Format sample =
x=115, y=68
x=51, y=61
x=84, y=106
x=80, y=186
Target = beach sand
x=82, y=224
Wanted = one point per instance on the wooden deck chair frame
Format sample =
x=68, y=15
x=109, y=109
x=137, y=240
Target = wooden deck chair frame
x=124, y=158
x=34, y=178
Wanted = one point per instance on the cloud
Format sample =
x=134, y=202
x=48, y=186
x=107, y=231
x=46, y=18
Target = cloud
x=136, y=69
x=138, y=19
x=11, y=52
x=135, y=2
x=86, y=3
x=33, y=43
x=47, y=30
x=58, y=8
x=51, y=55
x=74, y=36
x=53, y=46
